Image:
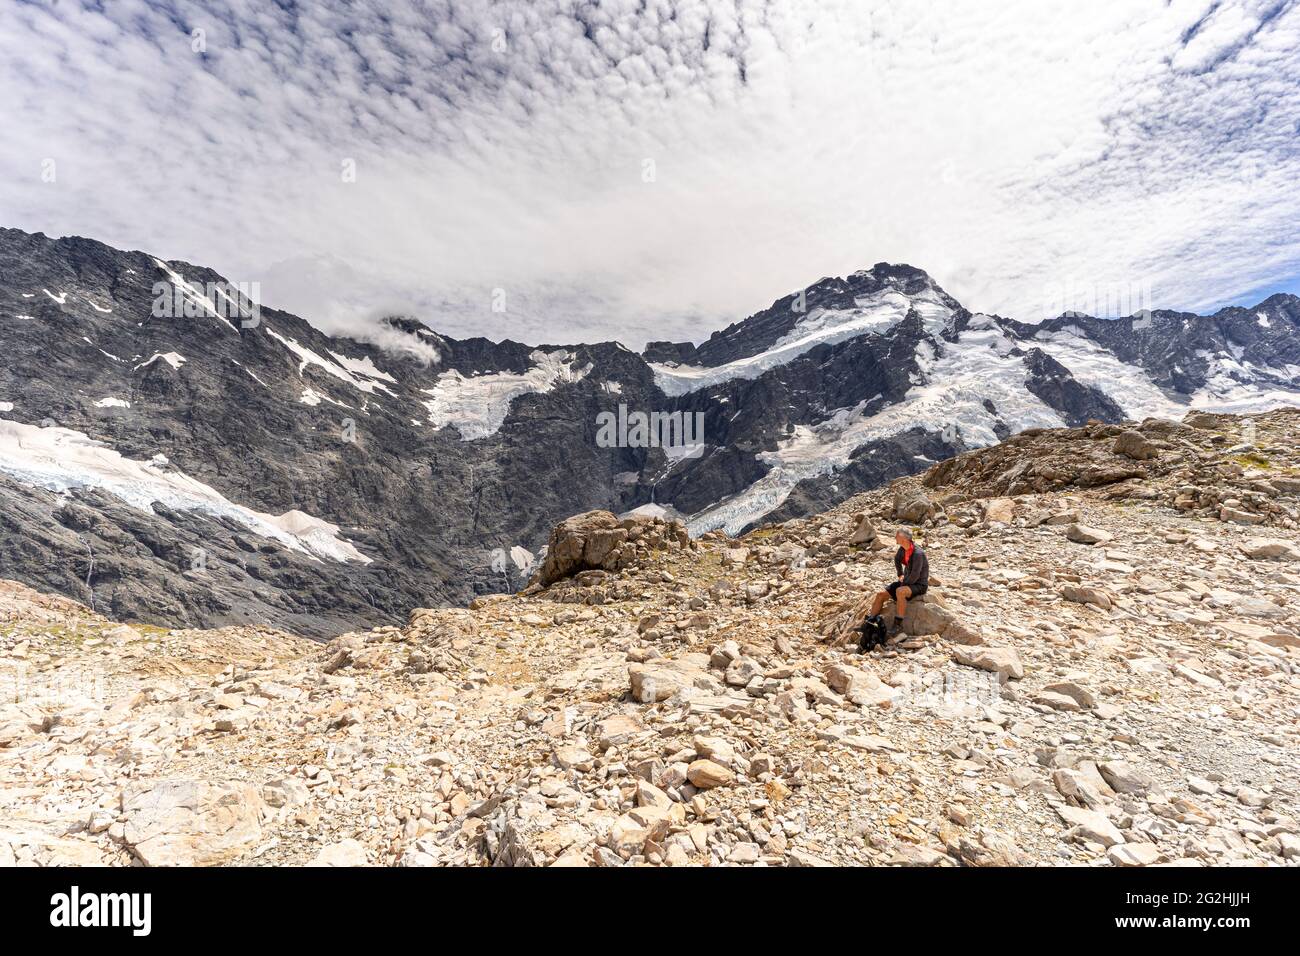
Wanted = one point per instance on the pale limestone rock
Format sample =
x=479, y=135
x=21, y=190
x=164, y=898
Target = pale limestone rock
x=1133, y=854
x=707, y=774
x=1003, y=661
x=659, y=681
x=1123, y=777
x=1090, y=825
x=573, y=758
x=344, y=853
x=1086, y=595
x=1082, y=534
x=1082, y=696
x=191, y=822
x=999, y=510
x=1270, y=549
x=286, y=792
x=714, y=748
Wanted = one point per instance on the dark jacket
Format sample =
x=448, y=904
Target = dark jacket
x=917, y=571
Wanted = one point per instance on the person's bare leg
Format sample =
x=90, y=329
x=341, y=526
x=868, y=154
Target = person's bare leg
x=878, y=602
x=900, y=600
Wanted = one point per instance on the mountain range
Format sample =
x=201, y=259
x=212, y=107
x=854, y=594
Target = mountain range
x=169, y=451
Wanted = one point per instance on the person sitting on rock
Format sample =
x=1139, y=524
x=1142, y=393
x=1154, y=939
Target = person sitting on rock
x=913, y=578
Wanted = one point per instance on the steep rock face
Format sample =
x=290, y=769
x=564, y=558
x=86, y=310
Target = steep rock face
x=1052, y=382
x=195, y=466
x=431, y=456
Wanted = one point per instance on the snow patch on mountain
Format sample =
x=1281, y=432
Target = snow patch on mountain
x=61, y=459
x=363, y=366
x=875, y=313
x=366, y=380
x=194, y=295
x=651, y=510
x=477, y=405
x=312, y=397
x=174, y=359
x=111, y=402
x=251, y=373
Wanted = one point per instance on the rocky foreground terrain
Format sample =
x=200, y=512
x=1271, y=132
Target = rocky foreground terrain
x=1106, y=672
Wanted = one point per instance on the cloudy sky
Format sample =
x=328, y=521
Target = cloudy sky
x=649, y=169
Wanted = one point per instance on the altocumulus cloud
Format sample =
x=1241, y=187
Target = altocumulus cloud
x=652, y=169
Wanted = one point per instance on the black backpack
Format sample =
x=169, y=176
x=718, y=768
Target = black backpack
x=874, y=633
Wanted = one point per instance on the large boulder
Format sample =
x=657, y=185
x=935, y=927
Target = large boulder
x=1086, y=595
x=926, y=616
x=650, y=683
x=599, y=541
x=191, y=822
x=1135, y=445
x=913, y=505
x=1207, y=421
x=1270, y=549
x=1000, y=510
x=859, y=687
x=1090, y=825
x=1082, y=534
x=580, y=543
x=1082, y=697
x=707, y=774
x=1003, y=661
x=343, y=853
x=1123, y=777
x=865, y=533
